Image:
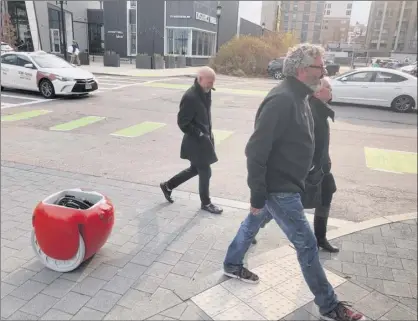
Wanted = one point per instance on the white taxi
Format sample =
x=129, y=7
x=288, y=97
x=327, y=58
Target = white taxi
x=44, y=73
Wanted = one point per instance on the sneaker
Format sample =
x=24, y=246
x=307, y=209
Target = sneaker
x=211, y=208
x=166, y=192
x=244, y=275
x=342, y=313
x=254, y=241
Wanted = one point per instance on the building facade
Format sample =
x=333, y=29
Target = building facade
x=39, y=24
x=269, y=14
x=336, y=23
x=187, y=28
x=392, y=27
x=303, y=19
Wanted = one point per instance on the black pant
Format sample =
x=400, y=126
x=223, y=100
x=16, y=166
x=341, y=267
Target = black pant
x=204, y=173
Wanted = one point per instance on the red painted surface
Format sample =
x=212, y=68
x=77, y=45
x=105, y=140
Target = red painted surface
x=57, y=228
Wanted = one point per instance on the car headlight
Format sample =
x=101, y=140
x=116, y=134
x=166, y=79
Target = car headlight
x=64, y=78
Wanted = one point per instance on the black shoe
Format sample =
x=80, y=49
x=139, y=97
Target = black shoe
x=166, y=192
x=244, y=275
x=342, y=313
x=211, y=208
x=254, y=241
x=326, y=246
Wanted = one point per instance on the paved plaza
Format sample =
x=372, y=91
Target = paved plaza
x=164, y=261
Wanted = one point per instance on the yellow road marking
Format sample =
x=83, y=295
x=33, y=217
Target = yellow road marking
x=391, y=160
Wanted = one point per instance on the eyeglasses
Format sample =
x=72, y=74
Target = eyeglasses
x=317, y=67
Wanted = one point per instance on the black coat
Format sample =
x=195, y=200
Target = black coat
x=195, y=121
x=320, y=183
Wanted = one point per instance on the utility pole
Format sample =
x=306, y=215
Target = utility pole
x=64, y=38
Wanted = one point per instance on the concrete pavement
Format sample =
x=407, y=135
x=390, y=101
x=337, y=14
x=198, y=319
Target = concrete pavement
x=163, y=261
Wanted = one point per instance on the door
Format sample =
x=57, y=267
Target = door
x=387, y=86
x=8, y=71
x=26, y=76
x=354, y=88
x=55, y=41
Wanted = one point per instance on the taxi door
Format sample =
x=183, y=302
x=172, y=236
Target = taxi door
x=8, y=70
x=26, y=77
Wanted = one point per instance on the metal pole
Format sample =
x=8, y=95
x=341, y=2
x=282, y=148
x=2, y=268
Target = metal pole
x=153, y=48
x=64, y=41
x=217, y=35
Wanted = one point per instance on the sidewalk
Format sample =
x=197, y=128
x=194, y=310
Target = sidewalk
x=131, y=71
x=163, y=261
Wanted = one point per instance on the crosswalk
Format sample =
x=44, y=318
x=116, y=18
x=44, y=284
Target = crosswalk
x=132, y=131
x=13, y=98
x=382, y=160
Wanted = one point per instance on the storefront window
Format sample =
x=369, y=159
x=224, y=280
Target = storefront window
x=19, y=19
x=96, y=36
x=203, y=43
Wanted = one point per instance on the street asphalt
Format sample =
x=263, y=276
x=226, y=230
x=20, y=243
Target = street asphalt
x=128, y=131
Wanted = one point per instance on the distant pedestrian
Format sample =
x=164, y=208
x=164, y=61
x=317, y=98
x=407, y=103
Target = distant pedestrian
x=279, y=156
x=74, y=51
x=198, y=145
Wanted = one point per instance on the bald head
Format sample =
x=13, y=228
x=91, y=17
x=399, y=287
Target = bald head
x=206, y=78
x=324, y=92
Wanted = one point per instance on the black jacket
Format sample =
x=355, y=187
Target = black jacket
x=195, y=121
x=279, y=152
x=320, y=113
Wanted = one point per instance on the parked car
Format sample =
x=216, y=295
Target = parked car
x=44, y=73
x=5, y=47
x=409, y=68
x=374, y=86
x=332, y=68
x=275, y=68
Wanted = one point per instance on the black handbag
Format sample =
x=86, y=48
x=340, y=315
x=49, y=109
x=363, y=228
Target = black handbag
x=311, y=197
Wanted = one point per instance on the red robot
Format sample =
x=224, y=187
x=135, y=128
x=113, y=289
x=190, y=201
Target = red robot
x=70, y=226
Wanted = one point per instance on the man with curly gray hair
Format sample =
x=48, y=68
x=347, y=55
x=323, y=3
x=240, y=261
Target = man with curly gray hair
x=279, y=156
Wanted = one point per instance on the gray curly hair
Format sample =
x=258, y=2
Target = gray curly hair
x=301, y=56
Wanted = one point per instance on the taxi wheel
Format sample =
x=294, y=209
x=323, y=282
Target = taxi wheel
x=47, y=88
x=2, y=88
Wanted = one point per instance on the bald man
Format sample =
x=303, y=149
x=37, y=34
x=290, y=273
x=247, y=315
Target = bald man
x=198, y=145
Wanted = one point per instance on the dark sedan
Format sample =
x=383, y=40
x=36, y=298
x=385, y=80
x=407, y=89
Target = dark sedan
x=275, y=68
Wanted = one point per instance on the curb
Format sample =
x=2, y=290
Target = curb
x=142, y=75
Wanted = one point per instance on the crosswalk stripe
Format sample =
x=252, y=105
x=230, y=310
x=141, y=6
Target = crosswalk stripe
x=21, y=97
x=392, y=161
x=221, y=135
x=24, y=115
x=139, y=129
x=81, y=122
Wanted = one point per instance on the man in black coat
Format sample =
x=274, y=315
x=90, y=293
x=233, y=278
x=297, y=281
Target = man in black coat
x=198, y=145
x=321, y=170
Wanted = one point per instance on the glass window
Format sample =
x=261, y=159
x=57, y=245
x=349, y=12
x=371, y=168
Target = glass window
x=388, y=77
x=365, y=76
x=22, y=61
x=50, y=61
x=194, y=42
x=9, y=59
x=170, y=48
x=349, y=6
x=348, y=13
x=181, y=39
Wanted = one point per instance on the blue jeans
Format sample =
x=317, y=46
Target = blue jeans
x=287, y=210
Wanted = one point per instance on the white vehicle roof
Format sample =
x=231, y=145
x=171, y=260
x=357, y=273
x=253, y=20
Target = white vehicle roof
x=392, y=71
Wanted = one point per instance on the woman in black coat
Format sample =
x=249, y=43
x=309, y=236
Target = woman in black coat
x=321, y=112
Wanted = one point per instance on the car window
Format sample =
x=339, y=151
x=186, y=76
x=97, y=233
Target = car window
x=22, y=61
x=388, y=77
x=364, y=76
x=9, y=59
x=50, y=61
